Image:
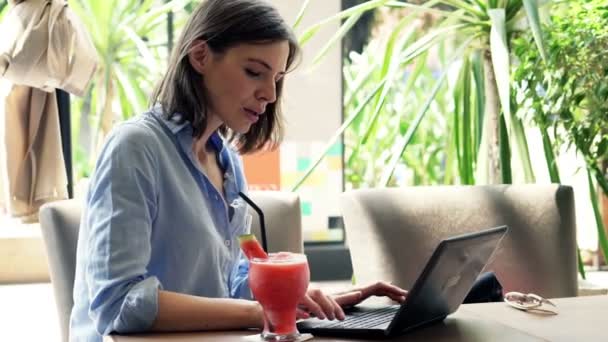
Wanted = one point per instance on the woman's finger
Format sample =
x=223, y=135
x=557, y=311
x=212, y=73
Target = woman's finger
x=391, y=294
x=338, y=312
x=312, y=307
x=395, y=289
x=302, y=314
x=396, y=297
x=382, y=288
x=349, y=298
x=359, y=294
x=326, y=304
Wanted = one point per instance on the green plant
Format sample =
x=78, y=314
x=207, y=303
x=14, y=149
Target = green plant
x=131, y=44
x=423, y=161
x=566, y=95
x=483, y=128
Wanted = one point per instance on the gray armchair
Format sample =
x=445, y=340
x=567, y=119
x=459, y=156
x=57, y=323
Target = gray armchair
x=60, y=221
x=392, y=232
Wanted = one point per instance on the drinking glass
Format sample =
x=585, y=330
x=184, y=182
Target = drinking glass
x=279, y=283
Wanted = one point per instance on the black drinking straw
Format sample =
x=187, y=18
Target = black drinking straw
x=261, y=216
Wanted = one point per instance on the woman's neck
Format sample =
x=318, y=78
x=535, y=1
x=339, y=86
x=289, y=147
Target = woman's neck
x=200, y=146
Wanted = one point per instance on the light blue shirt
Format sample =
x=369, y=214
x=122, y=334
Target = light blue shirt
x=153, y=220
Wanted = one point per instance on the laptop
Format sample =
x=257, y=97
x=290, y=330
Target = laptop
x=442, y=286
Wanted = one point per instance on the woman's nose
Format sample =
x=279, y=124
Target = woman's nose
x=268, y=93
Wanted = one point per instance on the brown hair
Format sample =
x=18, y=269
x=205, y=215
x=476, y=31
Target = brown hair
x=224, y=24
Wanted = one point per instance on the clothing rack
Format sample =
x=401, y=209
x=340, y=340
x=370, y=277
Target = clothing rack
x=63, y=107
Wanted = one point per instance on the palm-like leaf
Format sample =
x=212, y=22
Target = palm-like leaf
x=488, y=23
x=126, y=36
x=357, y=10
x=406, y=139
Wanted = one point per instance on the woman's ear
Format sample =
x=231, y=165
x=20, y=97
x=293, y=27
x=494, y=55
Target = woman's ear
x=198, y=56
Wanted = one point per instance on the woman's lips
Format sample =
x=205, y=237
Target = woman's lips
x=251, y=115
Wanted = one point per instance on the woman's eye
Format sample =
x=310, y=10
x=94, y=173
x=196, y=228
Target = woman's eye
x=252, y=73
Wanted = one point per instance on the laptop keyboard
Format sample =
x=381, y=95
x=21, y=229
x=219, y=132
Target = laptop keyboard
x=363, y=319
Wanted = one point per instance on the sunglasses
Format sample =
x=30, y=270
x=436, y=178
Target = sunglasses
x=530, y=302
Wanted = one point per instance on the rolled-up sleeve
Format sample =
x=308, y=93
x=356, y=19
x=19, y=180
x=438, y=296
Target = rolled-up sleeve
x=120, y=209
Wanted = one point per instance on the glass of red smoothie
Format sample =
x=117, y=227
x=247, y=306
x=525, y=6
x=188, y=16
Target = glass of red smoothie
x=278, y=283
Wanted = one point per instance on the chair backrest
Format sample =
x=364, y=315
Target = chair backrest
x=282, y=216
x=60, y=221
x=392, y=232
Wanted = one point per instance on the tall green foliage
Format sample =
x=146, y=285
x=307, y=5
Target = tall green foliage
x=566, y=95
x=423, y=161
x=131, y=42
x=482, y=129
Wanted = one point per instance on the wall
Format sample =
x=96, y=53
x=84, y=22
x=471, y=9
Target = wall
x=313, y=111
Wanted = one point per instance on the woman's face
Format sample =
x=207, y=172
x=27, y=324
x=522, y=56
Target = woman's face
x=242, y=81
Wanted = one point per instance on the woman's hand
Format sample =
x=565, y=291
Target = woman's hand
x=357, y=295
x=323, y=306
x=320, y=305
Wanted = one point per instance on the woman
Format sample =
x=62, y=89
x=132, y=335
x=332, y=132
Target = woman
x=157, y=250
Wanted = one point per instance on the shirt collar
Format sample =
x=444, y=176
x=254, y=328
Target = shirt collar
x=185, y=128
x=173, y=124
x=217, y=141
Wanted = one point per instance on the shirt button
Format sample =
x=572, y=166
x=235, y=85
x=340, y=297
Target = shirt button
x=227, y=243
